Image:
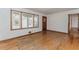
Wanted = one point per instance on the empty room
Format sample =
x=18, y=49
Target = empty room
x=39, y=28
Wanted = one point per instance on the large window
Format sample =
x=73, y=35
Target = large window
x=23, y=20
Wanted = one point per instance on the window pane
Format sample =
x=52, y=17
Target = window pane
x=24, y=20
x=36, y=21
x=30, y=20
x=16, y=20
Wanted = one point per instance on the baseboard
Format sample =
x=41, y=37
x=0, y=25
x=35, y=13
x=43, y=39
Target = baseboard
x=19, y=36
x=57, y=31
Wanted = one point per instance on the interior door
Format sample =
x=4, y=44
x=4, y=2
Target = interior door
x=44, y=23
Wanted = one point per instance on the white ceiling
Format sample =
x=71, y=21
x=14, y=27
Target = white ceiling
x=50, y=10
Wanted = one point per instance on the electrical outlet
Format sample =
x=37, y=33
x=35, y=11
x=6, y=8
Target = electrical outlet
x=29, y=32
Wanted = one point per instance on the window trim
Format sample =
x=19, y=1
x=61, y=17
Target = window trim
x=21, y=20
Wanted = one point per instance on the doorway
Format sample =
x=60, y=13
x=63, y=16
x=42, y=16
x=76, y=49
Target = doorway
x=73, y=22
x=73, y=25
x=44, y=23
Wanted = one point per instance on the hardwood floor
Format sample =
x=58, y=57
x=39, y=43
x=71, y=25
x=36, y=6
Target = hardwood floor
x=42, y=41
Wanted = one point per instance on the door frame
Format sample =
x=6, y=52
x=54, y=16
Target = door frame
x=68, y=23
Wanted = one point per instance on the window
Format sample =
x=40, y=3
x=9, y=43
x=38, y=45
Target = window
x=16, y=22
x=23, y=20
x=30, y=21
x=36, y=21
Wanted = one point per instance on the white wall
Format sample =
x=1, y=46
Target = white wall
x=6, y=33
x=59, y=21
